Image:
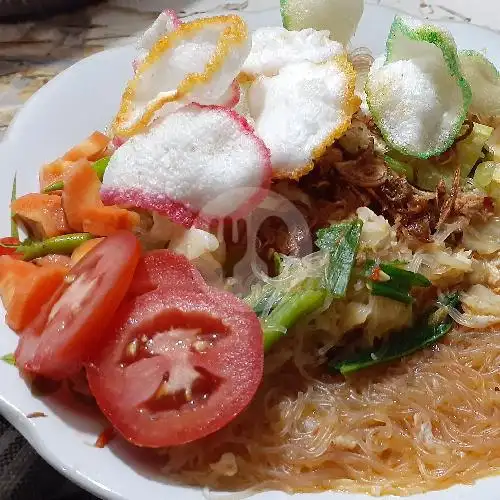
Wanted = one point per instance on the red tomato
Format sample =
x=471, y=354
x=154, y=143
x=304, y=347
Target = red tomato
x=72, y=326
x=183, y=364
x=165, y=268
x=7, y=249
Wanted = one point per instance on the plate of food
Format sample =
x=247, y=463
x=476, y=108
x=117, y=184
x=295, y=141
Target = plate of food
x=253, y=256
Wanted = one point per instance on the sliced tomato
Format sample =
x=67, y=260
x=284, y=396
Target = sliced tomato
x=161, y=268
x=72, y=327
x=182, y=365
x=7, y=247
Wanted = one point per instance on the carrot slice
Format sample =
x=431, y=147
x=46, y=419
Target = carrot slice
x=53, y=172
x=41, y=214
x=25, y=288
x=91, y=148
x=84, y=209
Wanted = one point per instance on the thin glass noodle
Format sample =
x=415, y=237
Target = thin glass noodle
x=425, y=423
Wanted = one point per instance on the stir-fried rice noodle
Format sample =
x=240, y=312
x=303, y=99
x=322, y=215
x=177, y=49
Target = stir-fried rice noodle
x=425, y=423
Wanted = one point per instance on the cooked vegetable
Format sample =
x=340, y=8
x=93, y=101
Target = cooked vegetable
x=90, y=150
x=487, y=177
x=54, y=260
x=14, y=230
x=63, y=245
x=294, y=306
x=404, y=277
x=53, y=172
x=426, y=333
x=398, y=282
x=391, y=292
x=25, y=288
x=342, y=243
x=9, y=358
x=105, y=437
x=417, y=95
x=99, y=166
x=470, y=150
x=265, y=300
x=466, y=153
x=278, y=263
x=55, y=186
x=42, y=215
x=84, y=209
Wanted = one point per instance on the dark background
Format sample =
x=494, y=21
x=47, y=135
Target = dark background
x=25, y=476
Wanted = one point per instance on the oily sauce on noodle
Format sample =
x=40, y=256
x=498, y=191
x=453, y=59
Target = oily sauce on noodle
x=425, y=423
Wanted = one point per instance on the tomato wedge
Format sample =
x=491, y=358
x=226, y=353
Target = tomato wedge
x=161, y=268
x=182, y=365
x=7, y=247
x=72, y=326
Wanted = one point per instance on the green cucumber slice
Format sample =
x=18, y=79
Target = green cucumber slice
x=417, y=94
x=339, y=17
x=484, y=79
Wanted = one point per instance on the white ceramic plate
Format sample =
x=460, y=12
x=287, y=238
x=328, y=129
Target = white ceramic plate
x=82, y=99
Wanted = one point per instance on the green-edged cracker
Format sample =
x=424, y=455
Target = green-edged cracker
x=417, y=94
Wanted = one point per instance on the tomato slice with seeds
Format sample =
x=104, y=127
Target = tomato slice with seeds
x=161, y=268
x=71, y=327
x=7, y=247
x=183, y=364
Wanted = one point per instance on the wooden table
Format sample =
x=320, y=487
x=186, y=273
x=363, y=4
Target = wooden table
x=32, y=53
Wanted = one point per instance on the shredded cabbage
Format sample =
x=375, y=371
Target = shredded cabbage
x=376, y=232
x=386, y=316
x=445, y=267
x=483, y=238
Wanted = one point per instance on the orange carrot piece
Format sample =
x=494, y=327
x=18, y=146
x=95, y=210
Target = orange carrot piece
x=25, y=288
x=84, y=249
x=90, y=149
x=84, y=209
x=53, y=172
x=41, y=214
x=81, y=191
x=104, y=221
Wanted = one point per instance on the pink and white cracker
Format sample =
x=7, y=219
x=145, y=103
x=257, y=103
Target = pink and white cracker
x=199, y=163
